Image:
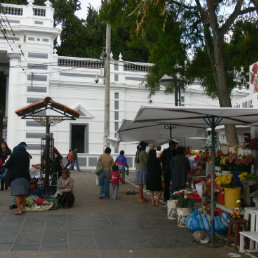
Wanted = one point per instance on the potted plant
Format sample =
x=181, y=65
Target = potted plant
x=185, y=203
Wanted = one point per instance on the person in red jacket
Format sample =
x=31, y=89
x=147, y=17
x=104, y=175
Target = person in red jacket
x=114, y=179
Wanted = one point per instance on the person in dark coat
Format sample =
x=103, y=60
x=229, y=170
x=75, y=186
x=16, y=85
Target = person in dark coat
x=181, y=168
x=19, y=176
x=154, y=176
x=165, y=159
x=5, y=152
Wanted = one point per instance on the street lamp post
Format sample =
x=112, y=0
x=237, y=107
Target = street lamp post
x=166, y=81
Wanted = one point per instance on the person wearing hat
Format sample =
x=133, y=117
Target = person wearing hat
x=181, y=168
x=65, y=194
x=165, y=159
x=141, y=159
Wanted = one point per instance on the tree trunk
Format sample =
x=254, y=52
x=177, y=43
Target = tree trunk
x=223, y=92
x=217, y=61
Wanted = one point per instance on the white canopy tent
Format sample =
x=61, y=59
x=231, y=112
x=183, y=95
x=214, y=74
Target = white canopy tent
x=158, y=133
x=207, y=117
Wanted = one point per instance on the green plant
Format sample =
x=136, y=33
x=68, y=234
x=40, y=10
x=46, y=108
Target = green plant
x=186, y=199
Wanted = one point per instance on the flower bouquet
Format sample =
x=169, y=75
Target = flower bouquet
x=194, y=171
x=186, y=199
x=218, y=158
x=254, y=144
x=236, y=214
x=235, y=162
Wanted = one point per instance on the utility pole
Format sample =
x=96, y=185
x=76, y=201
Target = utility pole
x=107, y=83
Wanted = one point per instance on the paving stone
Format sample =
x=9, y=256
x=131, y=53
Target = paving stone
x=5, y=246
x=7, y=238
x=135, y=244
x=85, y=253
x=82, y=245
x=54, y=246
x=25, y=247
x=108, y=243
x=79, y=235
x=54, y=238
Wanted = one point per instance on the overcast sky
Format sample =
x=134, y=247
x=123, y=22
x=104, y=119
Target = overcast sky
x=84, y=4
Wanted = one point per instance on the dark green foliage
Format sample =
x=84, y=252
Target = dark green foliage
x=242, y=50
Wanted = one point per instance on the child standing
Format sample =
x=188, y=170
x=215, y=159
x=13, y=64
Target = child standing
x=114, y=178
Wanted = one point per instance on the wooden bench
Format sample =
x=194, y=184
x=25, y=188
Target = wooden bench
x=251, y=214
x=253, y=236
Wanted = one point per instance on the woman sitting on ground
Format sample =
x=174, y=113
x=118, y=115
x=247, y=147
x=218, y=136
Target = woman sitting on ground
x=65, y=194
x=34, y=188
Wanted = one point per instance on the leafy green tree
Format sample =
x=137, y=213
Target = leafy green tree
x=199, y=27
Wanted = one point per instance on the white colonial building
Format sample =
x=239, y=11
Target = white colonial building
x=34, y=70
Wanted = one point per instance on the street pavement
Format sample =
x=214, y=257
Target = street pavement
x=97, y=228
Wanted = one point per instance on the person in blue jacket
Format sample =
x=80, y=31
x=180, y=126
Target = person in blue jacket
x=121, y=162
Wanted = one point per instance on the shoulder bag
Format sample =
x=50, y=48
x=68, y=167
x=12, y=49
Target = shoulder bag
x=99, y=168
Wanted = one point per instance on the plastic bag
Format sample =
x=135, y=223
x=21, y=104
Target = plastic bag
x=196, y=221
x=97, y=181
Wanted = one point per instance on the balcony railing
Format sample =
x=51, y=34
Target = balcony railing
x=11, y=10
x=39, y=12
x=137, y=67
x=80, y=62
x=96, y=63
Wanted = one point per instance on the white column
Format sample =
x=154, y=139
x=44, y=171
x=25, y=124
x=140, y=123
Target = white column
x=13, y=101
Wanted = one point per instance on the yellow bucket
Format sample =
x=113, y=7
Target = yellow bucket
x=232, y=195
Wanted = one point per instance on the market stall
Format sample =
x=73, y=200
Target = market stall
x=48, y=112
x=209, y=118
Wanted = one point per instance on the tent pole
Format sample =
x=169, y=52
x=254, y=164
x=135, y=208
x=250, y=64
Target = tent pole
x=212, y=121
x=212, y=177
x=47, y=155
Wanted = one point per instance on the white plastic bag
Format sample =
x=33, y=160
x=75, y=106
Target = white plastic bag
x=97, y=181
x=199, y=189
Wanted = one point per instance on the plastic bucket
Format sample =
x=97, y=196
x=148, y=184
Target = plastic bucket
x=181, y=216
x=171, y=206
x=232, y=195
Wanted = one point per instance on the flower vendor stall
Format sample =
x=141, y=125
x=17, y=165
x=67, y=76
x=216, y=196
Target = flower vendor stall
x=209, y=117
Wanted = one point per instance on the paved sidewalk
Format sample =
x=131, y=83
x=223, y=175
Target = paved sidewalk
x=97, y=228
